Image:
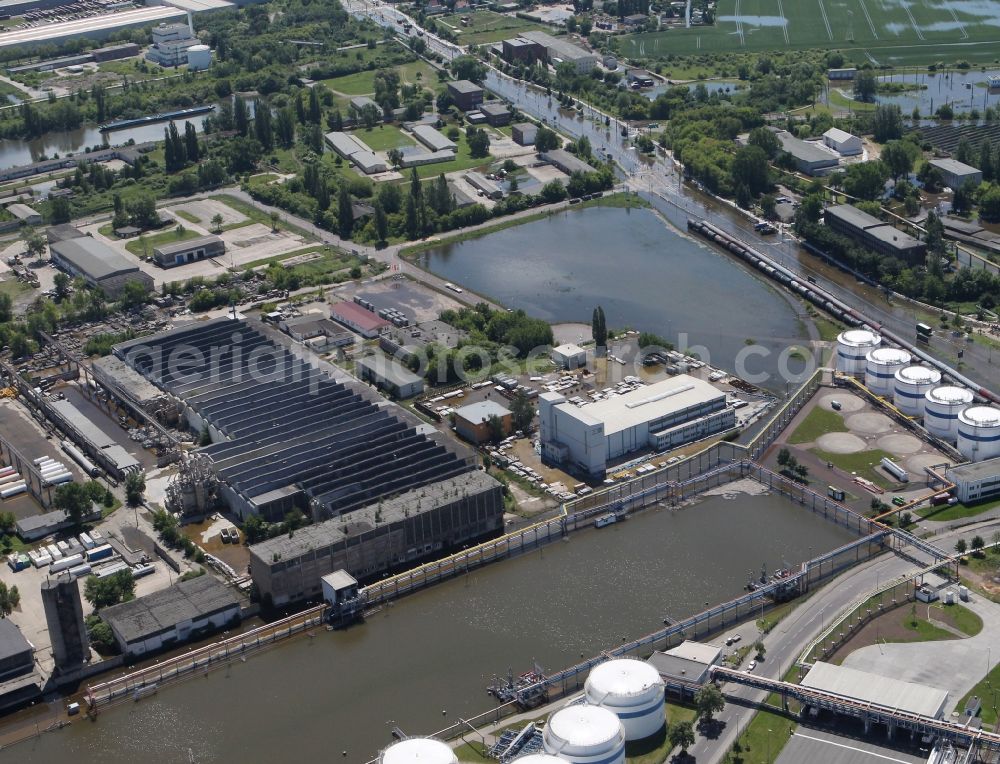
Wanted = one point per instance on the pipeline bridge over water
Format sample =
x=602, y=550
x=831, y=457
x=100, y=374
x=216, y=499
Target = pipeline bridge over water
x=868, y=712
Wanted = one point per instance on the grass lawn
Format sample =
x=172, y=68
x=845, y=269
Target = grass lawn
x=488, y=26
x=957, y=511
x=188, y=216
x=463, y=161
x=817, y=422
x=384, y=137
x=987, y=690
x=960, y=616
x=13, y=287
x=471, y=751
x=828, y=330
x=363, y=83
x=764, y=737
x=142, y=245
x=864, y=463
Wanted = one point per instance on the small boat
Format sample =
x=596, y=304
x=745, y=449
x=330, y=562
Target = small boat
x=605, y=520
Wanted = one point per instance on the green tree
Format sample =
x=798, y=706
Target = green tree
x=34, y=243
x=759, y=649
x=345, y=213
x=784, y=457
x=275, y=219
x=135, y=486
x=977, y=546
x=241, y=118
x=681, y=735
x=866, y=180
x=898, y=158
x=709, y=701
x=479, y=144
x=522, y=412
x=495, y=425
x=865, y=86
x=254, y=529
x=546, y=139
x=599, y=327
x=217, y=220
x=61, y=284
x=766, y=140
x=10, y=598
x=961, y=547
x=381, y=223
x=468, y=68
x=100, y=634
x=59, y=211
x=750, y=169
x=105, y=592
x=887, y=122
x=72, y=499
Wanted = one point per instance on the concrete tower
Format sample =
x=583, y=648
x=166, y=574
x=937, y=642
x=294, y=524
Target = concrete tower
x=64, y=617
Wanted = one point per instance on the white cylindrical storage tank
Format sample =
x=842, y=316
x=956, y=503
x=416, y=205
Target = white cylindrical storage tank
x=853, y=347
x=979, y=432
x=912, y=384
x=62, y=477
x=7, y=471
x=12, y=490
x=881, y=365
x=941, y=408
x=633, y=691
x=585, y=735
x=539, y=758
x=12, y=478
x=418, y=750
x=199, y=57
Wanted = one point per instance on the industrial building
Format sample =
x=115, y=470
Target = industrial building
x=90, y=27
x=496, y=112
x=489, y=188
x=660, y=416
x=979, y=433
x=584, y=734
x=390, y=533
x=633, y=691
x=432, y=138
x=843, y=142
x=841, y=74
x=171, y=43
x=95, y=442
x=865, y=229
x=957, y=174
x=316, y=330
x=522, y=49
x=563, y=160
x=686, y=665
x=569, y=356
x=466, y=95
x=866, y=687
x=356, y=151
x=358, y=319
x=559, y=51
x=172, y=616
x=190, y=251
x=389, y=375
x=25, y=214
x=64, y=619
x=809, y=157
x=98, y=264
x=290, y=431
x=17, y=656
x=524, y=133
x=976, y=482
x=472, y=422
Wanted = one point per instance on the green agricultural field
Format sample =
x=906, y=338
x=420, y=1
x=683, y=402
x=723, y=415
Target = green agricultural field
x=892, y=32
x=487, y=26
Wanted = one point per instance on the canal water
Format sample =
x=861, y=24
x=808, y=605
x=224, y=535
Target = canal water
x=15, y=152
x=644, y=273
x=964, y=91
x=436, y=651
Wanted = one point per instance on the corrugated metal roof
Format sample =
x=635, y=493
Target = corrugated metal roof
x=873, y=688
x=97, y=260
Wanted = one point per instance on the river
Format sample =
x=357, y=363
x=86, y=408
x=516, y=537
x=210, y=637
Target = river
x=436, y=651
x=644, y=273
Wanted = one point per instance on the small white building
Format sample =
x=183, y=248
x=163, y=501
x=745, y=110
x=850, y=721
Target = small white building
x=956, y=174
x=842, y=142
x=569, y=356
x=25, y=214
x=976, y=482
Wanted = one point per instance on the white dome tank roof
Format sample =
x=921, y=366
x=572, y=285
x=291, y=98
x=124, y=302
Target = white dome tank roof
x=950, y=395
x=624, y=677
x=585, y=725
x=980, y=416
x=418, y=750
x=918, y=375
x=198, y=48
x=859, y=338
x=888, y=356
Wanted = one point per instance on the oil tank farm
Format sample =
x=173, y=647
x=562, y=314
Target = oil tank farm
x=633, y=691
x=979, y=433
x=911, y=386
x=418, y=750
x=585, y=734
x=881, y=365
x=942, y=406
x=853, y=347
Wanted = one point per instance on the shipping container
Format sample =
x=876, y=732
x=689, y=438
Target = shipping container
x=66, y=562
x=99, y=553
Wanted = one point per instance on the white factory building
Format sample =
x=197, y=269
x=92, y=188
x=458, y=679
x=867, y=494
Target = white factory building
x=660, y=416
x=569, y=356
x=976, y=482
x=842, y=142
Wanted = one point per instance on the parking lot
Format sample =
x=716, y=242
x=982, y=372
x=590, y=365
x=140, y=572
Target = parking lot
x=819, y=747
x=416, y=301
